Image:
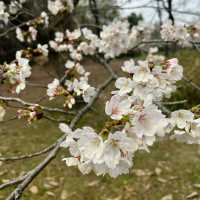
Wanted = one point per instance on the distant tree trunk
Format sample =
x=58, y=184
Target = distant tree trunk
x=95, y=13
x=171, y=17
x=159, y=11
x=169, y=10
x=76, y=2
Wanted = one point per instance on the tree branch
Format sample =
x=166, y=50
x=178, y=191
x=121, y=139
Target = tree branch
x=16, y=194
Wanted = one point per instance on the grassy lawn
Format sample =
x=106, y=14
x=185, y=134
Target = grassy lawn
x=170, y=169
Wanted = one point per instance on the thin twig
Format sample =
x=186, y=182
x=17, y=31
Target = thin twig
x=28, y=156
x=13, y=182
x=36, y=85
x=8, y=120
x=194, y=85
x=25, y=103
x=174, y=102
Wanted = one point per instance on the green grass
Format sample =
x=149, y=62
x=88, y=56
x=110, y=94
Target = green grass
x=178, y=163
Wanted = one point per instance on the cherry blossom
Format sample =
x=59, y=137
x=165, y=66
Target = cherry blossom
x=19, y=34
x=69, y=64
x=148, y=121
x=186, y=127
x=53, y=89
x=60, y=5
x=43, y=49
x=18, y=71
x=14, y=7
x=142, y=72
x=180, y=118
x=118, y=106
x=4, y=16
x=88, y=94
x=129, y=66
x=125, y=85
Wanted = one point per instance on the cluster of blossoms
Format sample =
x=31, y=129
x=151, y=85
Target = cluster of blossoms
x=78, y=82
x=136, y=121
x=57, y=6
x=76, y=85
x=28, y=32
x=77, y=43
x=32, y=113
x=150, y=79
x=56, y=89
x=117, y=38
x=91, y=152
x=12, y=9
x=184, y=35
x=19, y=70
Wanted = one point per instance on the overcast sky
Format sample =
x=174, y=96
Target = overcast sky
x=150, y=15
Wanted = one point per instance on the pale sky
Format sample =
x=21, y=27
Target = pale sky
x=150, y=15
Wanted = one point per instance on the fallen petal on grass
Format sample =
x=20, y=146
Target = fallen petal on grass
x=167, y=197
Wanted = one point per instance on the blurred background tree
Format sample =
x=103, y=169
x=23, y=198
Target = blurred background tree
x=105, y=9
x=134, y=19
